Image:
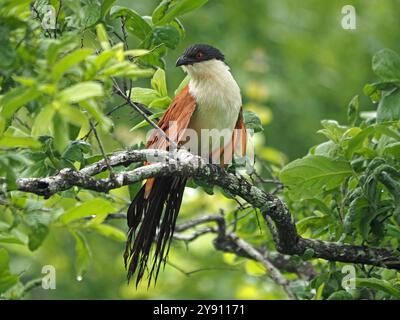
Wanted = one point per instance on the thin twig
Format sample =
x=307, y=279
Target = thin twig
x=86, y=136
x=143, y=114
x=102, y=149
x=35, y=283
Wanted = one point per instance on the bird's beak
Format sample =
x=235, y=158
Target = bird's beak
x=181, y=61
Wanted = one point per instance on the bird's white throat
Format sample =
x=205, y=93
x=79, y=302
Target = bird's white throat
x=218, y=98
x=212, y=85
x=216, y=92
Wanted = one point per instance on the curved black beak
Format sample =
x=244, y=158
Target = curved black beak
x=181, y=61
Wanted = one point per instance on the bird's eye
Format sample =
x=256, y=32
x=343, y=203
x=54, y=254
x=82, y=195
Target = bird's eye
x=199, y=55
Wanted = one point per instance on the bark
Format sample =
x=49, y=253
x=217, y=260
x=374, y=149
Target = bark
x=182, y=163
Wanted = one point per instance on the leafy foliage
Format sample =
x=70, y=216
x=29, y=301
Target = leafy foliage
x=352, y=181
x=57, y=84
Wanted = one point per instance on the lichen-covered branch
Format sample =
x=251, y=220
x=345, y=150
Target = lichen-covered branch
x=182, y=163
x=229, y=242
x=223, y=243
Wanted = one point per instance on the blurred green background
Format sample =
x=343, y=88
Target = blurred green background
x=296, y=65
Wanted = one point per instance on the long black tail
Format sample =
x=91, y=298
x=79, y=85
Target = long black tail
x=152, y=221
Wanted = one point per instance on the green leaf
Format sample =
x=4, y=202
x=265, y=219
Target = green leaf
x=11, y=177
x=160, y=103
x=7, y=280
x=14, y=237
x=16, y=98
x=167, y=35
x=144, y=95
x=319, y=293
x=372, y=92
x=126, y=69
x=155, y=56
x=19, y=142
x=37, y=234
x=74, y=152
x=393, y=149
x=313, y=221
x=144, y=123
x=92, y=13
x=82, y=252
x=254, y=268
x=93, y=108
x=179, y=26
x=332, y=130
x=356, y=142
x=134, y=189
x=75, y=117
x=81, y=91
x=167, y=10
x=106, y=6
x=102, y=58
x=389, y=177
x=135, y=53
x=159, y=83
x=252, y=121
x=61, y=132
x=387, y=131
x=340, y=295
x=328, y=149
x=2, y=125
x=312, y=175
x=89, y=208
x=42, y=122
x=102, y=36
x=389, y=107
x=135, y=24
x=378, y=284
x=109, y=232
x=353, y=110
x=386, y=64
x=68, y=61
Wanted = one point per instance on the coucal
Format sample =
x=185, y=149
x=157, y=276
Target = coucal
x=211, y=101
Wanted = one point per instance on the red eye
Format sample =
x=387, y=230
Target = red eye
x=199, y=55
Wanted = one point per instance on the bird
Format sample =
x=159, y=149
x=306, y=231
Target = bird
x=211, y=101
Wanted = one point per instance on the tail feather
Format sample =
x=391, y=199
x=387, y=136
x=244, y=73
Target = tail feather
x=151, y=220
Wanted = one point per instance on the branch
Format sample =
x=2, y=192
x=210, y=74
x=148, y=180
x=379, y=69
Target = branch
x=92, y=127
x=273, y=272
x=182, y=163
x=139, y=109
x=283, y=262
x=244, y=248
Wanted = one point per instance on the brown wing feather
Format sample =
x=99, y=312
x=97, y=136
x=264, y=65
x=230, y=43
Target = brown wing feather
x=178, y=115
x=180, y=111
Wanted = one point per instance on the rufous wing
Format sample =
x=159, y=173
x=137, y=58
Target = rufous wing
x=174, y=122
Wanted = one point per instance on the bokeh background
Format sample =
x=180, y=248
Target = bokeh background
x=296, y=65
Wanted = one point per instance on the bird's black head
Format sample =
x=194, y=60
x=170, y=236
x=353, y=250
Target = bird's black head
x=198, y=53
